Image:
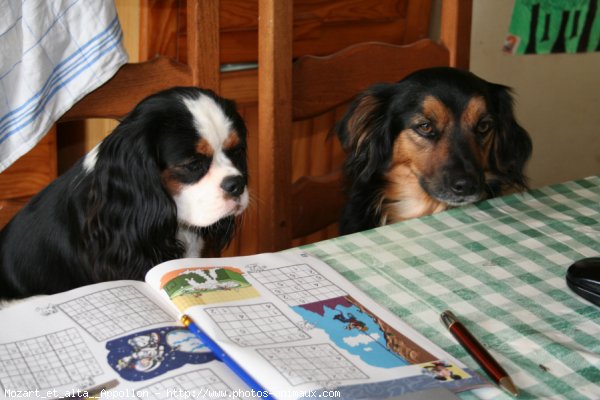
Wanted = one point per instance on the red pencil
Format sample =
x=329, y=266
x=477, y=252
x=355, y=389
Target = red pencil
x=478, y=352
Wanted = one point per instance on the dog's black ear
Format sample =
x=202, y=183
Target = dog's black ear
x=131, y=221
x=512, y=145
x=363, y=133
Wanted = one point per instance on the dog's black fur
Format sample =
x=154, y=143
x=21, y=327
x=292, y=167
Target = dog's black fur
x=439, y=138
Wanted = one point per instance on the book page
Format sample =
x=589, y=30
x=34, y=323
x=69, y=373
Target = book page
x=115, y=339
x=298, y=326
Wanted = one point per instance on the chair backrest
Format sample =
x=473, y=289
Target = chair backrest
x=135, y=81
x=308, y=87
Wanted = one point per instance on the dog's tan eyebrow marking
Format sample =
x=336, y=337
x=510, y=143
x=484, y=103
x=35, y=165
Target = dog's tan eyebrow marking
x=475, y=108
x=204, y=148
x=436, y=111
x=172, y=185
x=470, y=117
x=231, y=141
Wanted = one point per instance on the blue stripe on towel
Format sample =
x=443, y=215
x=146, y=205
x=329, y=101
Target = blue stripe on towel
x=58, y=18
x=72, y=66
x=113, y=26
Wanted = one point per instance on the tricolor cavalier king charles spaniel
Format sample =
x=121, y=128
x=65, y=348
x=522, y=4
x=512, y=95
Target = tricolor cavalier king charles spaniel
x=439, y=138
x=166, y=183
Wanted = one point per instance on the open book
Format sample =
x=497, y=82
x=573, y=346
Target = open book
x=292, y=323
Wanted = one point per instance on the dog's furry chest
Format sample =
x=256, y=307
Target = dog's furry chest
x=403, y=198
x=192, y=242
x=393, y=211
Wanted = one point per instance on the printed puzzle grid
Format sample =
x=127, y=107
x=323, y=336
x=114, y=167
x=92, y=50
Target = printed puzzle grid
x=302, y=364
x=255, y=325
x=201, y=384
x=298, y=284
x=112, y=312
x=47, y=361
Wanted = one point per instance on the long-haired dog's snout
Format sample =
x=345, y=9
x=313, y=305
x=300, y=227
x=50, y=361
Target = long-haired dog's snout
x=457, y=184
x=439, y=138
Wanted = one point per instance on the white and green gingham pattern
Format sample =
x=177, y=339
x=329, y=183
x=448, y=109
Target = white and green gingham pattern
x=500, y=266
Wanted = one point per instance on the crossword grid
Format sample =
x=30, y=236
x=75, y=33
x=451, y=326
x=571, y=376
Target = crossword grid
x=46, y=361
x=109, y=313
x=301, y=364
x=201, y=383
x=255, y=325
x=298, y=284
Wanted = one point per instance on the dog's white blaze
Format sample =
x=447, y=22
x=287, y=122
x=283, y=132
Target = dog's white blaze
x=211, y=122
x=205, y=202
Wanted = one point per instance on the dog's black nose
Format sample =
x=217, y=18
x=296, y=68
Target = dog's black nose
x=234, y=185
x=463, y=186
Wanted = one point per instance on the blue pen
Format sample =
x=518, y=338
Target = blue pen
x=221, y=355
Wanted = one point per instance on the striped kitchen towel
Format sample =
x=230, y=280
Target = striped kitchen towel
x=53, y=54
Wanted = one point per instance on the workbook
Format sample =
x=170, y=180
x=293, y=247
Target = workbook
x=297, y=329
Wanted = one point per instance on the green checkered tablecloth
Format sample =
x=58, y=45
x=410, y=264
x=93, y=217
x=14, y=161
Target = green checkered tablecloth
x=500, y=266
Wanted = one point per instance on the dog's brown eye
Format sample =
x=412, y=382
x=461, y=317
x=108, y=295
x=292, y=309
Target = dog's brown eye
x=425, y=129
x=484, y=127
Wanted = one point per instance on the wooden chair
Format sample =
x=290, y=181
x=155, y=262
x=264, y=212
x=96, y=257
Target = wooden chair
x=291, y=91
x=26, y=177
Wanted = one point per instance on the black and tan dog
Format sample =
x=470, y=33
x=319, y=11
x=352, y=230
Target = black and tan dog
x=439, y=138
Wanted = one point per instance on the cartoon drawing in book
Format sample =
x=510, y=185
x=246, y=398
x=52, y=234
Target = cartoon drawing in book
x=351, y=321
x=147, y=354
x=353, y=328
x=206, y=285
x=49, y=309
x=442, y=371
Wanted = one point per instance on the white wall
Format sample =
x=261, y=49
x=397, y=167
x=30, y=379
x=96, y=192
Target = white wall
x=557, y=97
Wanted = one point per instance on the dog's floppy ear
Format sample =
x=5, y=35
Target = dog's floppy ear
x=131, y=220
x=512, y=145
x=363, y=133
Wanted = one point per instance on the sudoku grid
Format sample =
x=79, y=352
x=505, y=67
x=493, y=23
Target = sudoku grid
x=298, y=284
x=311, y=363
x=255, y=325
x=46, y=361
x=112, y=312
x=199, y=384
